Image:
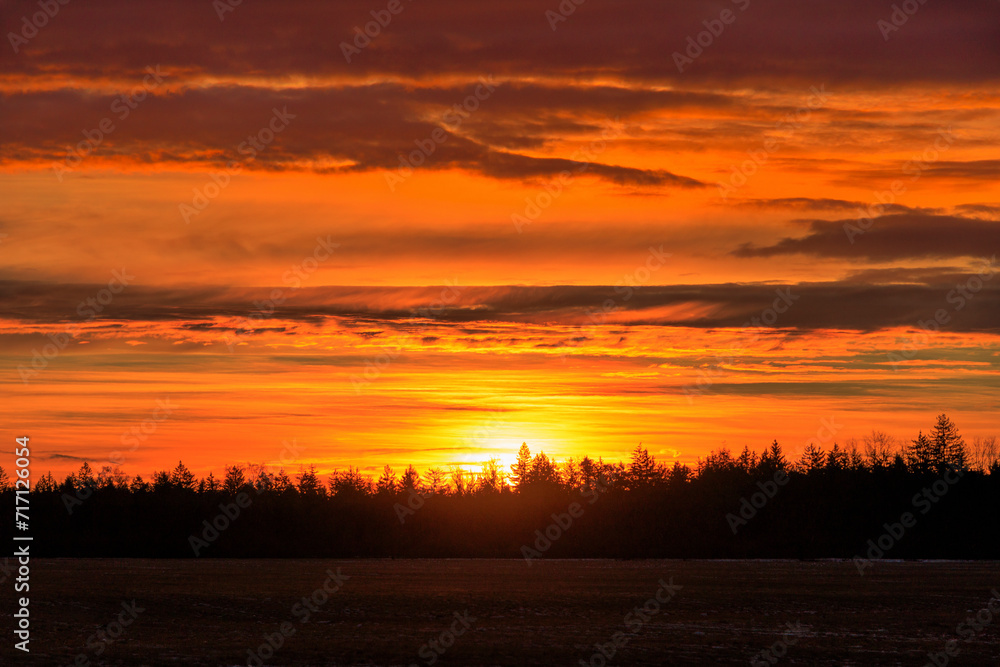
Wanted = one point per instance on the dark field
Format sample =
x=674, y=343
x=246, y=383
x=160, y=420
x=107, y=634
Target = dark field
x=210, y=612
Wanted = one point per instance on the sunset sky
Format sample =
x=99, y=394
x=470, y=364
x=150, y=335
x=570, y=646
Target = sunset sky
x=496, y=224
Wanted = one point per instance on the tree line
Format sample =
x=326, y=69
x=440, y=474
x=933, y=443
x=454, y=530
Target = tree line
x=833, y=501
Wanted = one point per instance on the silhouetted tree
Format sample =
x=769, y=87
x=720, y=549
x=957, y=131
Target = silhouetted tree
x=235, y=479
x=45, y=484
x=949, y=447
x=543, y=472
x=161, y=481
x=522, y=466
x=771, y=461
x=182, y=478
x=983, y=453
x=747, y=460
x=211, y=484
x=410, y=481
x=878, y=450
x=386, y=485
x=679, y=474
x=282, y=482
x=434, y=480
x=491, y=480
x=836, y=459
x=349, y=482
x=813, y=459
x=4, y=480
x=921, y=454
x=642, y=471
x=589, y=472
x=309, y=484
x=84, y=478
x=569, y=472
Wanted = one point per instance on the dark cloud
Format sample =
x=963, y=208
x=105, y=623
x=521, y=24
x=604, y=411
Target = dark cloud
x=823, y=204
x=889, y=237
x=944, y=41
x=341, y=129
x=847, y=304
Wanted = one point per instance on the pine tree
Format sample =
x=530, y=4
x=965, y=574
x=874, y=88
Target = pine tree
x=309, y=483
x=84, y=478
x=837, y=459
x=679, y=474
x=282, y=482
x=411, y=480
x=4, y=480
x=235, y=480
x=570, y=474
x=813, y=459
x=642, y=471
x=45, y=483
x=161, y=480
x=182, y=478
x=211, y=484
x=543, y=471
x=386, y=484
x=520, y=470
x=747, y=460
x=921, y=454
x=949, y=447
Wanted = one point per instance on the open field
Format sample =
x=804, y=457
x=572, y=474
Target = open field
x=210, y=612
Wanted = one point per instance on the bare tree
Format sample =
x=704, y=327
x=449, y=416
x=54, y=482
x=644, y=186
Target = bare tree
x=878, y=449
x=984, y=453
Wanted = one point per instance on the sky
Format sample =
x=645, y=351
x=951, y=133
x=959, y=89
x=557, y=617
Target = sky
x=256, y=232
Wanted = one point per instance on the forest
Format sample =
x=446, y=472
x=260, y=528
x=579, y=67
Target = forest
x=935, y=496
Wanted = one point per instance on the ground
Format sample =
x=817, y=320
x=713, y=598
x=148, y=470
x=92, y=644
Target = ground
x=213, y=612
